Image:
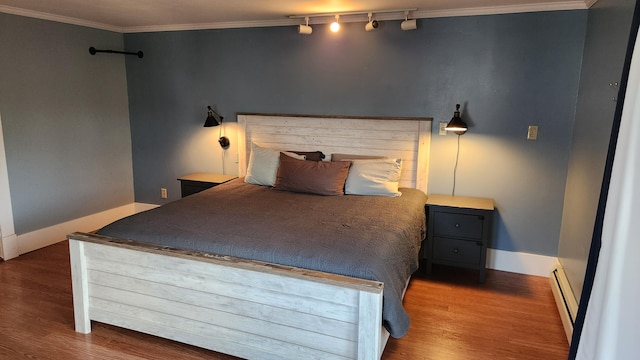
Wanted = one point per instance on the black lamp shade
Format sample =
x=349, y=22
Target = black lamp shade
x=213, y=118
x=456, y=124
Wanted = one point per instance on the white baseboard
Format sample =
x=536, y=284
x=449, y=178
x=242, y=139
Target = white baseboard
x=9, y=247
x=50, y=235
x=565, y=300
x=519, y=262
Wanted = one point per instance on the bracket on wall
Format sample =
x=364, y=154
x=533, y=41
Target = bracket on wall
x=94, y=51
x=615, y=85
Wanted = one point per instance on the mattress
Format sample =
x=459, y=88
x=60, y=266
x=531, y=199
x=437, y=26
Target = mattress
x=369, y=237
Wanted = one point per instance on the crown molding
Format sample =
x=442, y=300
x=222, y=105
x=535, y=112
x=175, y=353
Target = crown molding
x=590, y=3
x=494, y=10
x=211, y=26
x=58, y=18
x=509, y=9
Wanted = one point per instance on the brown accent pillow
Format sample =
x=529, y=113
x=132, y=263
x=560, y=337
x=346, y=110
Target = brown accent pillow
x=343, y=157
x=311, y=155
x=314, y=177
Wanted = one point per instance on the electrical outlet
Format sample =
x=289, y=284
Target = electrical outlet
x=443, y=129
x=163, y=193
x=532, y=132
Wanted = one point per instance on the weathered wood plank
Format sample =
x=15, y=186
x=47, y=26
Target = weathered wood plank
x=422, y=160
x=250, y=326
x=324, y=121
x=216, y=339
x=231, y=281
x=80, y=286
x=388, y=147
x=277, y=315
x=398, y=133
x=233, y=290
x=370, y=318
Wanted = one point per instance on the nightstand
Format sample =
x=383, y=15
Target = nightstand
x=458, y=232
x=193, y=183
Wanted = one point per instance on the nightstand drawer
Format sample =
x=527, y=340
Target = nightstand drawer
x=191, y=187
x=196, y=182
x=458, y=225
x=458, y=251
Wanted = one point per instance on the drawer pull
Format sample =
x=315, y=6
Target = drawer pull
x=457, y=225
x=455, y=250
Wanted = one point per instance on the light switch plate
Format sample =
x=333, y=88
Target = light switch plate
x=443, y=129
x=532, y=132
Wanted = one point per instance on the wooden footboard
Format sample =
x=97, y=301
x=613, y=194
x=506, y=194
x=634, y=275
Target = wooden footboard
x=249, y=309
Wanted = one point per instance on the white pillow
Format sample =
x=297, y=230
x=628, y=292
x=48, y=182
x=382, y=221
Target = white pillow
x=378, y=177
x=263, y=165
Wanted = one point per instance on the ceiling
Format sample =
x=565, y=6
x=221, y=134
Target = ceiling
x=164, y=15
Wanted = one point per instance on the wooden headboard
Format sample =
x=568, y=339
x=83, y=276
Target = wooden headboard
x=405, y=138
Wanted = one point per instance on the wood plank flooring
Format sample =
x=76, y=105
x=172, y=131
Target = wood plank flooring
x=510, y=316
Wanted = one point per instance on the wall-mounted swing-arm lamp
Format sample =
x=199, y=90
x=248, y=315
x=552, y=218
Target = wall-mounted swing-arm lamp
x=459, y=127
x=456, y=124
x=215, y=119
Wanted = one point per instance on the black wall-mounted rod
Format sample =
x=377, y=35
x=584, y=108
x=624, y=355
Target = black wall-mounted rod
x=94, y=51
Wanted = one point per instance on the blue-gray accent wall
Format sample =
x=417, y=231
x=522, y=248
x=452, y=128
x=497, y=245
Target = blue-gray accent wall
x=65, y=122
x=507, y=71
x=609, y=26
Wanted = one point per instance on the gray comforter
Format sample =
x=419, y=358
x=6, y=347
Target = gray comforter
x=369, y=237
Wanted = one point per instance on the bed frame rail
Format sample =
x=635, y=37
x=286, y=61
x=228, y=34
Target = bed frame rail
x=244, y=308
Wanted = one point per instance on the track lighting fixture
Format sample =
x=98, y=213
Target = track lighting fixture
x=335, y=26
x=357, y=16
x=372, y=24
x=408, y=24
x=305, y=29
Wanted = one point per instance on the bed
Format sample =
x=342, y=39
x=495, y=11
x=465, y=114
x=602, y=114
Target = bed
x=226, y=299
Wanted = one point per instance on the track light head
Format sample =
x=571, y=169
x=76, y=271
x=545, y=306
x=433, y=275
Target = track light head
x=372, y=24
x=335, y=26
x=409, y=24
x=305, y=29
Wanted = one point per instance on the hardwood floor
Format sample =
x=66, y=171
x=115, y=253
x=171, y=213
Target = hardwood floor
x=510, y=316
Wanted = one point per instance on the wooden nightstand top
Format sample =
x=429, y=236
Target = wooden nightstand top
x=208, y=178
x=460, y=201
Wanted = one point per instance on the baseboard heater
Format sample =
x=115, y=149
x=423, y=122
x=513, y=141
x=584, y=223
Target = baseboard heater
x=565, y=301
